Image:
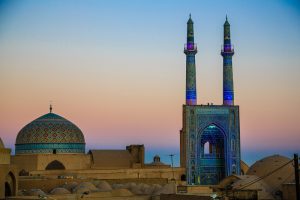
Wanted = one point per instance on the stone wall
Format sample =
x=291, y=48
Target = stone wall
x=26, y=162
x=70, y=161
x=40, y=161
x=289, y=191
x=5, y=156
x=115, y=173
x=8, y=174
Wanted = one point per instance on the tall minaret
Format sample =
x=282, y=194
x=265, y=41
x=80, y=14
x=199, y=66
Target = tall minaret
x=190, y=49
x=227, y=53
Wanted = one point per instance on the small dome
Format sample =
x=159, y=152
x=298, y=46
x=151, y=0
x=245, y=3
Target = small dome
x=156, y=161
x=1, y=144
x=156, y=158
x=50, y=133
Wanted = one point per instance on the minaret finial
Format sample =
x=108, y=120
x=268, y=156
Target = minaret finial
x=50, y=108
x=190, y=15
x=226, y=17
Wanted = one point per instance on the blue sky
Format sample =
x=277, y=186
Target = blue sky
x=100, y=60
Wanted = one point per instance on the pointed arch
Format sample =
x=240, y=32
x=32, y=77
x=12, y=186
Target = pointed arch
x=220, y=127
x=10, y=184
x=55, y=165
x=211, y=154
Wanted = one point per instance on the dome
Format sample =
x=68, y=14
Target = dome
x=268, y=165
x=1, y=144
x=50, y=133
x=156, y=161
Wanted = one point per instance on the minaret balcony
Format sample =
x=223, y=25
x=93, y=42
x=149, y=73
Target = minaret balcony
x=190, y=47
x=227, y=50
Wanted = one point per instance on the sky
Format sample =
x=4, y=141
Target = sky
x=117, y=69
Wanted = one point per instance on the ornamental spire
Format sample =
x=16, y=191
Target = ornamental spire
x=50, y=108
x=227, y=53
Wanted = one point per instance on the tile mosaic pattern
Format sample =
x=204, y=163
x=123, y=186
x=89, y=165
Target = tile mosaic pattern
x=49, y=132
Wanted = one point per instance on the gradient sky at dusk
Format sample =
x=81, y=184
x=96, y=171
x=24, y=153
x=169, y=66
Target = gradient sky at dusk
x=117, y=69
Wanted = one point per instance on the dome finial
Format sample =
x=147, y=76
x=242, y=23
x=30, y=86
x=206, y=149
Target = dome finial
x=50, y=108
x=190, y=15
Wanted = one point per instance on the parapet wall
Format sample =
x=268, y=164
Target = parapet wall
x=48, y=184
x=114, y=173
x=40, y=161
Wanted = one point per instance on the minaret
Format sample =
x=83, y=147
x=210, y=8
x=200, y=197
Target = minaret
x=227, y=53
x=190, y=49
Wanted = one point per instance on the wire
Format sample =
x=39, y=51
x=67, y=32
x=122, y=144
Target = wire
x=282, y=182
x=264, y=176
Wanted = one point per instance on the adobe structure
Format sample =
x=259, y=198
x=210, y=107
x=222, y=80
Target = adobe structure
x=8, y=173
x=210, y=137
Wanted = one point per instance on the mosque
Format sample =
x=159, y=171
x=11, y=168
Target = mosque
x=210, y=137
x=51, y=150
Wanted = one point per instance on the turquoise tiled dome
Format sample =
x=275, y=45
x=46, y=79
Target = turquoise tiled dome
x=50, y=133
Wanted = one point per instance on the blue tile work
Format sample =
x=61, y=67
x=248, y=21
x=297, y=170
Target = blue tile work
x=227, y=53
x=210, y=137
x=49, y=148
x=48, y=134
x=219, y=126
x=190, y=50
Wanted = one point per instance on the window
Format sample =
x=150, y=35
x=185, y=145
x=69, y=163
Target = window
x=233, y=144
x=206, y=148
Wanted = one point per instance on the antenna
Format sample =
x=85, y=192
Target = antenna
x=171, y=156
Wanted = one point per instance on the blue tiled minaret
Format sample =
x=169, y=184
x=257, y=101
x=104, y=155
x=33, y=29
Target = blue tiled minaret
x=227, y=53
x=210, y=135
x=190, y=49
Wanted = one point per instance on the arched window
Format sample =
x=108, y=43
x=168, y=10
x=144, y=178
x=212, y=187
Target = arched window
x=55, y=165
x=206, y=148
x=233, y=144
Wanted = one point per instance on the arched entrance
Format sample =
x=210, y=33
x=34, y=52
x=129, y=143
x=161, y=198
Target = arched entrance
x=8, y=191
x=210, y=156
x=10, y=184
x=183, y=177
x=55, y=165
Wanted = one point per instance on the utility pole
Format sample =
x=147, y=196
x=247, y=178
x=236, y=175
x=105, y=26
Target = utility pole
x=296, y=166
x=171, y=156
